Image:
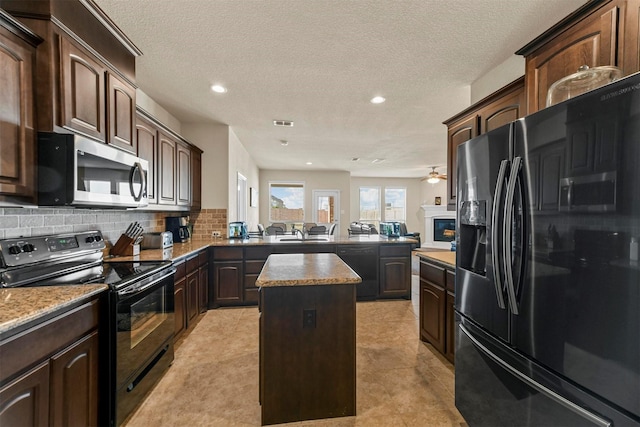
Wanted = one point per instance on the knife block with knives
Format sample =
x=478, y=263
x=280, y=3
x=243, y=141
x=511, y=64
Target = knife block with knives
x=129, y=241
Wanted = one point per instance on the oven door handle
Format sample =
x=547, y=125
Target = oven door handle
x=128, y=292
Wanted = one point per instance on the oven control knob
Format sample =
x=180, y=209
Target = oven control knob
x=27, y=248
x=98, y=238
x=90, y=239
x=14, y=250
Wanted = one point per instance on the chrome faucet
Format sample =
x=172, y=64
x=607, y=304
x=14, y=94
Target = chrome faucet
x=299, y=234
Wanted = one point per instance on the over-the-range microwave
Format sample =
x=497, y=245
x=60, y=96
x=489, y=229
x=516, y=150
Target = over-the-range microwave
x=77, y=171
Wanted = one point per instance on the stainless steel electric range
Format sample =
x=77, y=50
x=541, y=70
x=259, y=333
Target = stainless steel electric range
x=138, y=325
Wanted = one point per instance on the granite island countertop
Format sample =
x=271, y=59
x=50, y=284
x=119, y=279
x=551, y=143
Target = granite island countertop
x=306, y=270
x=20, y=308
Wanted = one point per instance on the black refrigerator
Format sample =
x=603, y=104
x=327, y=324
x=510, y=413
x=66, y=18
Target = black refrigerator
x=547, y=278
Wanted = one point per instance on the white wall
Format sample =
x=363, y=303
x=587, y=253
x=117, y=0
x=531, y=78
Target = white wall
x=429, y=192
x=503, y=74
x=157, y=111
x=240, y=161
x=313, y=180
x=415, y=215
x=213, y=139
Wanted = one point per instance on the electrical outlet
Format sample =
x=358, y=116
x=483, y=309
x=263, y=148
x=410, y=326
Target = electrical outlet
x=215, y=234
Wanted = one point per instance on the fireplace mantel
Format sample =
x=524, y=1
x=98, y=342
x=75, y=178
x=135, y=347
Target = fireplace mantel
x=432, y=212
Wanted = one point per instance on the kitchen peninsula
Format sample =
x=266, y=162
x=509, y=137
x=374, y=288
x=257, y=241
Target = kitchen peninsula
x=307, y=338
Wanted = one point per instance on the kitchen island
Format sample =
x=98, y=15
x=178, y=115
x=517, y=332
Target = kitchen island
x=307, y=338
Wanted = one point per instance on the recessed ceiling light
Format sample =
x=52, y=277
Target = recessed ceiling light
x=377, y=160
x=309, y=163
x=377, y=100
x=218, y=89
x=284, y=142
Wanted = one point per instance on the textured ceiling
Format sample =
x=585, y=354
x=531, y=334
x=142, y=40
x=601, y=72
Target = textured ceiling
x=318, y=63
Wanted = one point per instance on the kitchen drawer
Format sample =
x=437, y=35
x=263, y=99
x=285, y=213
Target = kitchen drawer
x=43, y=340
x=192, y=263
x=253, y=267
x=258, y=252
x=432, y=273
x=203, y=257
x=451, y=280
x=395, y=250
x=227, y=253
x=181, y=270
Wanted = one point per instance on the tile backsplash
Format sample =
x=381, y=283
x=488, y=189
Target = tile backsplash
x=19, y=222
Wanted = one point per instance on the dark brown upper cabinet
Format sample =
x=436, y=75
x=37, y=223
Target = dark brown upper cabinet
x=121, y=114
x=497, y=109
x=147, y=137
x=85, y=76
x=17, y=133
x=599, y=33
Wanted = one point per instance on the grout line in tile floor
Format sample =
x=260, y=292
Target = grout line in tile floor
x=213, y=381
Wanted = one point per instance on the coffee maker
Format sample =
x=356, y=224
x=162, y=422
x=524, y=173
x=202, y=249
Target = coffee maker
x=179, y=227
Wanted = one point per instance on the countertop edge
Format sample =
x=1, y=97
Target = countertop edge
x=441, y=257
x=32, y=318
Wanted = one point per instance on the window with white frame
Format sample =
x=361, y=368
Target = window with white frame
x=395, y=204
x=286, y=202
x=370, y=212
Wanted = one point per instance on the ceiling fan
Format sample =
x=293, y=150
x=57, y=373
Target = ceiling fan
x=434, y=177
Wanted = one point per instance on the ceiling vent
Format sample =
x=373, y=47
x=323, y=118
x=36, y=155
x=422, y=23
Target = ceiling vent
x=285, y=123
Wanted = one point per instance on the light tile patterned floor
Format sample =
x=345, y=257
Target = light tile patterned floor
x=214, y=378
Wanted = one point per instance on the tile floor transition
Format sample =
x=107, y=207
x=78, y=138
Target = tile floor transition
x=214, y=378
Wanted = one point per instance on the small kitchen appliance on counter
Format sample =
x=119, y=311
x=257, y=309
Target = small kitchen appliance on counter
x=157, y=240
x=238, y=230
x=179, y=227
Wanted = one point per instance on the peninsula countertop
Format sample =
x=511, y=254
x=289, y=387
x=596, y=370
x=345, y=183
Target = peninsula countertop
x=443, y=257
x=182, y=250
x=306, y=270
x=22, y=307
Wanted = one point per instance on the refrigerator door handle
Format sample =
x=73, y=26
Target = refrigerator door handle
x=587, y=415
x=506, y=230
x=495, y=235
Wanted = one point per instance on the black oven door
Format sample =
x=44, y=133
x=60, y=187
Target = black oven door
x=144, y=323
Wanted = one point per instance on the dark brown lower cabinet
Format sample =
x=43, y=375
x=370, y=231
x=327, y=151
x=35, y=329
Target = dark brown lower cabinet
x=307, y=352
x=437, y=302
x=180, y=299
x=25, y=401
x=74, y=384
x=395, y=271
x=227, y=283
x=47, y=381
x=203, y=287
x=432, y=314
x=450, y=327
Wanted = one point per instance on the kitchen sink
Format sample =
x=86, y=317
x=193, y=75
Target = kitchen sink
x=312, y=239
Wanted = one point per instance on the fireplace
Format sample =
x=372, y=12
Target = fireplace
x=439, y=227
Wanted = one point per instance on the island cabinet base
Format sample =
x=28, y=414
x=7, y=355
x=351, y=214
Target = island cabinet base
x=307, y=352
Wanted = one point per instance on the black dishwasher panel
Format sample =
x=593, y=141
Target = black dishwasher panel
x=363, y=260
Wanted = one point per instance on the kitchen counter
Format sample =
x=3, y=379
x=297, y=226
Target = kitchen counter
x=306, y=270
x=20, y=308
x=444, y=257
x=181, y=250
